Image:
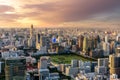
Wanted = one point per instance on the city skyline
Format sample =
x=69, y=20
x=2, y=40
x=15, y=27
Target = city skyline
x=81, y=13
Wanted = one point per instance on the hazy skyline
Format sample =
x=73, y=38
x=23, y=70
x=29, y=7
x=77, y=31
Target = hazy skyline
x=59, y=13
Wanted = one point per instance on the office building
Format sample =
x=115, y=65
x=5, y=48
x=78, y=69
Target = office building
x=74, y=63
x=43, y=74
x=118, y=38
x=43, y=41
x=117, y=50
x=71, y=71
x=114, y=65
x=15, y=68
x=2, y=67
x=102, y=66
x=106, y=39
x=85, y=44
x=37, y=41
x=112, y=47
x=103, y=62
x=31, y=41
x=80, y=42
x=44, y=61
x=106, y=48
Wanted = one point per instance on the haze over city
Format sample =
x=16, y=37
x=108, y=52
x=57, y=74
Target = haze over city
x=59, y=13
x=59, y=39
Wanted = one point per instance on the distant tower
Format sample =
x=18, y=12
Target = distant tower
x=31, y=39
x=31, y=31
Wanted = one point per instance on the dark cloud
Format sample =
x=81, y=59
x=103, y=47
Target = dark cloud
x=72, y=10
x=5, y=8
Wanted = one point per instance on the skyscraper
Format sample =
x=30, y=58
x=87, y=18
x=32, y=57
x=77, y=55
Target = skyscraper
x=31, y=39
x=91, y=43
x=114, y=61
x=31, y=31
x=106, y=48
x=80, y=42
x=112, y=47
x=43, y=41
x=15, y=68
x=85, y=47
x=106, y=39
x=37, y=41
x=42, y=66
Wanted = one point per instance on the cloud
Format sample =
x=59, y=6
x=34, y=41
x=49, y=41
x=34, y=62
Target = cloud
x=6, y=14
x=59, y=11
x=72, y=10
x=9, y=17
x=5, y=8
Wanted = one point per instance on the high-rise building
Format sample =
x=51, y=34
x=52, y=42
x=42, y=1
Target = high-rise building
x=43, y=41
x=0, y=67
x=117, y=50
x=85, y=46
x=43, y=67
x=106, y=48
x=71, y=71
x=31, y=39
x=114, y=61
x=31, y=31
x=112, y=47
x=69, y=41
x=74, y=63
x=98, y=41
x=90, y=44
x=118, y=38
x=80, y=42
x=44, y=61
x=103, y=62
x=15, y=68
x=2, y=71
x=37, y=41
x=102, y=66
x=106, y=39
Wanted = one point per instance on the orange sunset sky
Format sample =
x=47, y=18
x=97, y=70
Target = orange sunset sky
x=46, y=13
